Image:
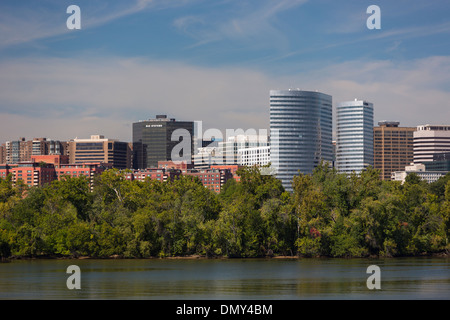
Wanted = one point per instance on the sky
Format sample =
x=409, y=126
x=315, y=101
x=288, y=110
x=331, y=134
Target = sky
x=214, y=61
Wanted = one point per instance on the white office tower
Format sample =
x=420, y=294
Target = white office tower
x=300, y=132
x=430, y=140
x=354, y=129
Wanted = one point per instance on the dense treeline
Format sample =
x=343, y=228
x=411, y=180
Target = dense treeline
x=328, y=214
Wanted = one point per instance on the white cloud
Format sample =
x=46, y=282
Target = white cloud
x=413, y=92
x=24, y=23
x=66, y=98
x=71, y=93
x=246, y=22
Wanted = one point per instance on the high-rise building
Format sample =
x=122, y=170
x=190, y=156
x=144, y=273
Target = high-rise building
x=98, y=149
x=38, y=146
x=430, y=140
x=18, y=150
x=155, y=139
x=13, y=151
x=22, y=149
x=393, y=148
x=300, y=132
x=441, y=162
x=2, y=154
x=354, y=145
x=334, y=153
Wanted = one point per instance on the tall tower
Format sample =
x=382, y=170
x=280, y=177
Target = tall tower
x=300, y=132
x=155, y=139
x=354, y=145
x=393, y=147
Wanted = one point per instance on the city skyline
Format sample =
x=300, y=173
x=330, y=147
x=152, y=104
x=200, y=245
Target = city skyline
x=203, y=61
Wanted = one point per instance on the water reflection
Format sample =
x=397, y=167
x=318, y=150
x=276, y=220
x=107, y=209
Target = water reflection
x=411, y=278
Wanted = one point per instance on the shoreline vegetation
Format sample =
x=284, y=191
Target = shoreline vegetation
x=444, y=254
x=328, y=215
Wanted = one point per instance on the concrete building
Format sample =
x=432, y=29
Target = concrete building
x=420, y=170
x=205, y=157
x=258, y=156
x=98, y=149
x=393, y=147
x=156, y=139
x=228, y=152
x=233, y=147
x=300, y=132
x=430, y=140
x=12, y=149
x=354, y=144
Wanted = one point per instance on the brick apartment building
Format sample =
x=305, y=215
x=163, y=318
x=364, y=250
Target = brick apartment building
x=31, y=173
x=213, y=178
x=44, y=169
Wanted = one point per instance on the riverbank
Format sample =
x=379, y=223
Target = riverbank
x=201, y=257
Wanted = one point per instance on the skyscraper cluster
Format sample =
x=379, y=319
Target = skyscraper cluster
x=301, y=127
x=300, y=138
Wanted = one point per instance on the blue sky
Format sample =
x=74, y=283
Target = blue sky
x=214, y=61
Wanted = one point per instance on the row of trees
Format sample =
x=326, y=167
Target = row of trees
x=328, y=214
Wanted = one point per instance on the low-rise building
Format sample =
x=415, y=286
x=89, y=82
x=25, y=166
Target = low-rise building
x=211, y=178
x=255, y=156
x=159, y=174
x=420, y=170
x=47, y=168
x=30, y=173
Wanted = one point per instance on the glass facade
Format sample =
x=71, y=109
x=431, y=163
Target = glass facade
x=300, y=132
x=354, y=130
x=152, y=140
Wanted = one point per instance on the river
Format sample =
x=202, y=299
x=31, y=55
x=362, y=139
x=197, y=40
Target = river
x=209, y=279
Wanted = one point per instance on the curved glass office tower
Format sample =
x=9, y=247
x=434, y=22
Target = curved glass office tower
x=300, y=132
x=354, y=145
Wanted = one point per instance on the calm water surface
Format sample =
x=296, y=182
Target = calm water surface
x=408, y=278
